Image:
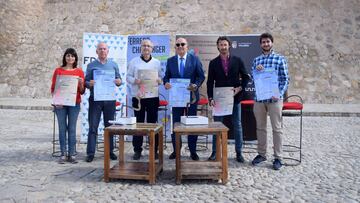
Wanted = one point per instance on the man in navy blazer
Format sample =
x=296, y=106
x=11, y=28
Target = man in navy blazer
x=184, y=65
x=228, y=71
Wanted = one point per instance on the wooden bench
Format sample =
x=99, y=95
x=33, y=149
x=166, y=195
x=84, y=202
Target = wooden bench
x=134, y=170
x=217, y=169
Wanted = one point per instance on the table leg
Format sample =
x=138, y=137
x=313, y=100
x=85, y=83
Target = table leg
x=224, y=157
x=161, y=148
x=106, y=155
x=178, y=163
x=218, y=146
x=151, y=158
x=121, y=149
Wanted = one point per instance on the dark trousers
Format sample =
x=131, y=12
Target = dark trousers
x=177, y=113
x=150, y=106
x=95, y=110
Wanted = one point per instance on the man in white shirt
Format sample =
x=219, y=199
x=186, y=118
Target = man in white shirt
x=143, y=104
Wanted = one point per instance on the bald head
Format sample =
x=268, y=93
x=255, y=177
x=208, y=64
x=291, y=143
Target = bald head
x=102, y=51
x=181, y=46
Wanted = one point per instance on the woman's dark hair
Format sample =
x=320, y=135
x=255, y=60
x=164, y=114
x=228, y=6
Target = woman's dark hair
x=73, y=53
x=266, y=35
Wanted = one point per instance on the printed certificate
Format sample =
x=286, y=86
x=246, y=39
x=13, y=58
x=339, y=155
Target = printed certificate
x=149, y=87
x=266, y=84
x=224, y=101
x=179, y=96
x=65, y=90
x=104, y=88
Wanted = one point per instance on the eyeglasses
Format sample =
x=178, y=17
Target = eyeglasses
x=145, y=45
x=180, y=44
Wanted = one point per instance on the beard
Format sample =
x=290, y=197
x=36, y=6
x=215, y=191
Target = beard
x=266, y=49
x=224, y=51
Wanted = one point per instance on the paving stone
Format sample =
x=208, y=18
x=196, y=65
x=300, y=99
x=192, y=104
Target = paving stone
x=328, y=172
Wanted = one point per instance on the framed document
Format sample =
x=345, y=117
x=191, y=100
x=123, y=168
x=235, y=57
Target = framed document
x=224, y=101
x=266, y=84
x=179, y=96
x=104, y=88
x=65, y=90
x=149, y=87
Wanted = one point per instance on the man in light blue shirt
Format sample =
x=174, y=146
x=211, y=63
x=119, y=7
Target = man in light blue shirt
x=98, y=107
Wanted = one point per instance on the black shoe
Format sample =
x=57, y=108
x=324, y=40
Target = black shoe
x=113, y=156
x=258, y=159
x=212, y=157
x=89, y=158
x=137, y=156
x=172, y=155
x=277, y=164
x=239, y=158
x=194, y=156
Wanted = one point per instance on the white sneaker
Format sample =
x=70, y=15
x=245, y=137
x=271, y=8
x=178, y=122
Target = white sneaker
x=72, y=159
x=62, y=160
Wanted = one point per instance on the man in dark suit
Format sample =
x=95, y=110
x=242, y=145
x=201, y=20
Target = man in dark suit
x=228, y=71
x=184, y=65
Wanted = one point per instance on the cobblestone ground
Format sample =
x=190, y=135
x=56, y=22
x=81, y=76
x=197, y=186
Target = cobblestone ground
x=329, y=171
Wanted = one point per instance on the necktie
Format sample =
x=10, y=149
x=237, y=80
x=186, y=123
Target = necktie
x=182, y=67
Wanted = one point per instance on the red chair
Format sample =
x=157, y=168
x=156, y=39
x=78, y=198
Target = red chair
x=247, y=102
x=56, y=142
x=100, y=140
x=203, y=103
x=248, y=124
x=293, y=106
x=163, y=106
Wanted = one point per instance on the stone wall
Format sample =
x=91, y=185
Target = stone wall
x=321, y=39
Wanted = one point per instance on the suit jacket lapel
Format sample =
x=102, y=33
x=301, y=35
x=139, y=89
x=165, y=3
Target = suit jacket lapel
x=176, y=65
x=187, y=63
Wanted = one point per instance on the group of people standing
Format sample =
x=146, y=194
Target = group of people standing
x=225, y=70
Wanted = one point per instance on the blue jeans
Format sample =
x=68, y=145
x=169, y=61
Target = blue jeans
x=95, y=110
x=237, y=128
x=177, y=113
x=67, y=117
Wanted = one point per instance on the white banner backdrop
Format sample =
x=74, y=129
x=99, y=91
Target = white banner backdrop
x=117, y=52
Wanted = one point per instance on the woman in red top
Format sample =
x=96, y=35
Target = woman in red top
x=67, y=115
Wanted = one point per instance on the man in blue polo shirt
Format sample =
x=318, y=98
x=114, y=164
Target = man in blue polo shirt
x=98, y=107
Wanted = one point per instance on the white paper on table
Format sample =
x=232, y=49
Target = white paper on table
x=149, y=87
x=104, y=88
x=224, y=101
x=65, y=90
x=179, y=96
x=266, y=84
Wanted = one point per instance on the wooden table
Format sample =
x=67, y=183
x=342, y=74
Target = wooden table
x=133, y=170
x=217, y=169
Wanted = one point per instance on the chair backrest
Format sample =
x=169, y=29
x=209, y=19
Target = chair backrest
x=289, y=104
